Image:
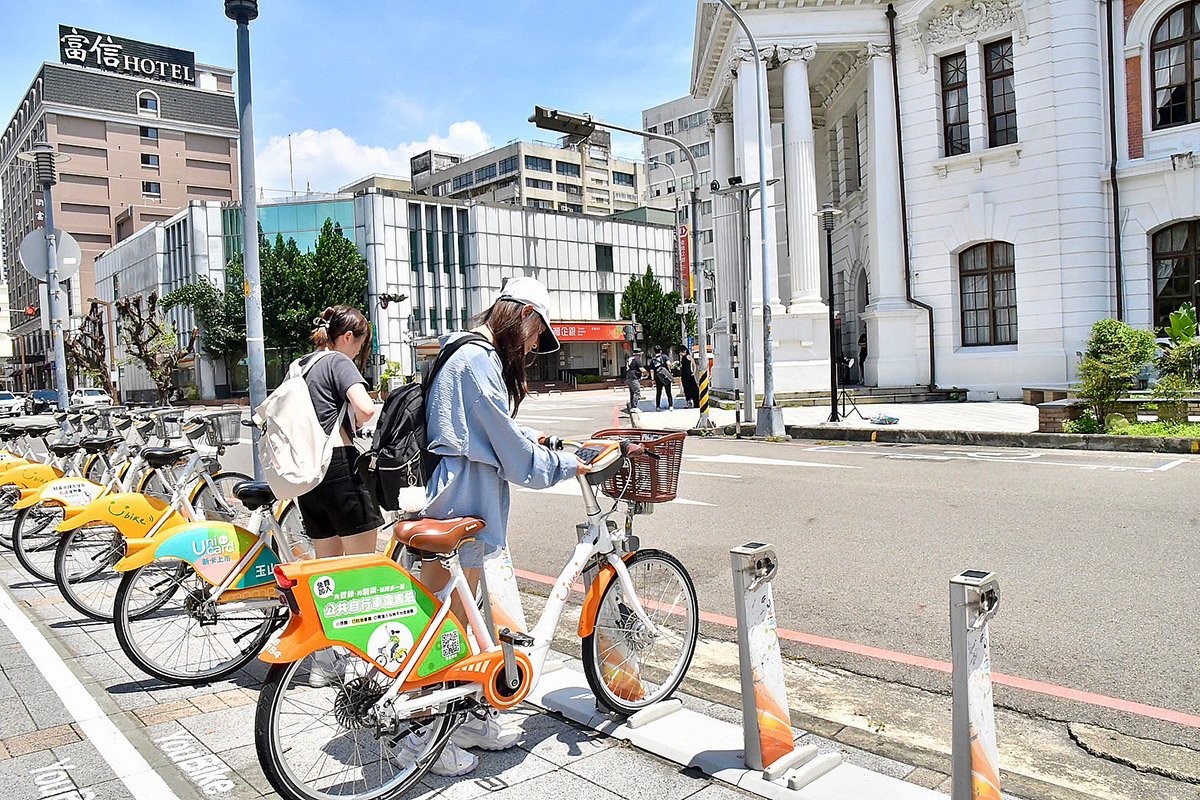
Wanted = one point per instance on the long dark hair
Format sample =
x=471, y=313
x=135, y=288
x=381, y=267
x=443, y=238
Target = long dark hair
x=511, y=331
x=335, y=321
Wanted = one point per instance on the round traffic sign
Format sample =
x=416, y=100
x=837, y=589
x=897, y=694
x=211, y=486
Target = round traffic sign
x=34, y=257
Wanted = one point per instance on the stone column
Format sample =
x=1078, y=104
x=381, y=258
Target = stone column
x=745, y=111
x=800, y=180
x=721, y=133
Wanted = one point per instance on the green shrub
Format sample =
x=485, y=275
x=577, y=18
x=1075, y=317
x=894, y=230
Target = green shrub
x=1085, y=424
x=1184, y=430
x=586, y=379
x=1115, y=354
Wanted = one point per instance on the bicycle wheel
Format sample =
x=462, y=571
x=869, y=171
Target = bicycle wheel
x=628, y=664
x=298, y=539
x=10, y=493
x=35, y=539
x=83, y=569
x=152, y=484
x=321, y=743
x=221, y=505
x=168, y=627
x=93, y=468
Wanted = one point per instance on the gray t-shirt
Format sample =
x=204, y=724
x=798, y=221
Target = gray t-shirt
x=329, y=382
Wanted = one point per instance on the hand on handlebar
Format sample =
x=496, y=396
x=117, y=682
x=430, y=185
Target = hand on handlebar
x=553, y=442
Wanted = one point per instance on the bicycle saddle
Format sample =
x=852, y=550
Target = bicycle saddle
x=438, y=535
x=254, y=494
x=63, y=448
x=100, y=444
x=37, y=430
x=165, y=456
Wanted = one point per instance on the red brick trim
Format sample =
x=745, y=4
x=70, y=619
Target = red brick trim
x=1133, y=104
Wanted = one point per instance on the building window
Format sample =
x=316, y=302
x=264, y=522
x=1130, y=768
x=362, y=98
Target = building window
x=150, y=160
x=575, y=207
x=1175, y=67
x=956, y=135
x=604, y=258
x=670, y=157
x=441, y=189
x=606, y=305
x=669, y=127
x=510, y=164
x=538, y=183
x=652, y=129
x=853, y=153
x=151, y=188
x=147, y=103
x=988, y=285
x=692, y=120
x=835, y=172
x=569, y=188
x=485, y=173
x=700, y=150
x=567, y=168
x=1001, y=99
x=463, y=181
x=148, y=133
x=538, y=163
x=1176, y=252
x=624, y=179
x=541, y=205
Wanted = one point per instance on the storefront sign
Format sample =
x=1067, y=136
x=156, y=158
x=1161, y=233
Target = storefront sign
x=589, y=331
x=86, y=48
x=39, y=210
x=685, y=263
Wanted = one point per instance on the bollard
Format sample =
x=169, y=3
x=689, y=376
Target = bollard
x=974, y=596
x=766, y=722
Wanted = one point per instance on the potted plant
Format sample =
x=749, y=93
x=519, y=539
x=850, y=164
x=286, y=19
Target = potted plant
x=392, y=375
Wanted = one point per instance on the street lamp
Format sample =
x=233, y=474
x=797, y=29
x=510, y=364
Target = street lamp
x=584, y=125
x=112, y=343
x=243, y=12
x=44, y=157
x=678, y=255
x=828, y=216
x=770, y=421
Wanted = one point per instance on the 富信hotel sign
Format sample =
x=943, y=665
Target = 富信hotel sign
x=125, y=56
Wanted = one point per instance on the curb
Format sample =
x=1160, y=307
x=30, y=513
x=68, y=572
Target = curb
x=1062, y=441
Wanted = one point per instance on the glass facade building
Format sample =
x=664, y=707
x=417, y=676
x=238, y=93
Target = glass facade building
x=300, y=220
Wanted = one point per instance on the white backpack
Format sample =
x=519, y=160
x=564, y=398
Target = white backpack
x=294, y=449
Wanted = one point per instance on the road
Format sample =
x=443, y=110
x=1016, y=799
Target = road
x=1095, y=553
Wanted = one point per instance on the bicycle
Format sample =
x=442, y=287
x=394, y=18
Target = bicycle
x=380, y=725
x=17, y=441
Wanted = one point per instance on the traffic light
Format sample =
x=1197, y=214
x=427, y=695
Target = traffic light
x=31, y=311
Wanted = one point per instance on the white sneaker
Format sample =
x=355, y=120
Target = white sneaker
x=322, y=669
x=488, y=733
x=454, y=761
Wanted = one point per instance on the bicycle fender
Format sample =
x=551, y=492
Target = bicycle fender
x=65, y=492
x=133, y=514
x=591, y=601
x=211, y=548
x=28, y=476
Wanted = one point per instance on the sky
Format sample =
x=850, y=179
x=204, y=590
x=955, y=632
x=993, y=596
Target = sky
x=361, y=85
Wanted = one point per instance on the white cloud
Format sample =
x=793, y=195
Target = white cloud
x=330, y=158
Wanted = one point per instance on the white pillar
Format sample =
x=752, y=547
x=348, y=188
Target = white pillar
x=745, y=116
x=722, y=147
x=800, y=180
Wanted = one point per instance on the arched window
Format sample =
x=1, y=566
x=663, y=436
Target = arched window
x=147, y=102
x=1176, y=250
x=1175, y=67
x=987, y=281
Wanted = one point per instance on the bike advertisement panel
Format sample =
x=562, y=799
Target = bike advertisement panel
x=766, y=664
x=216, y=548
x=985, y=754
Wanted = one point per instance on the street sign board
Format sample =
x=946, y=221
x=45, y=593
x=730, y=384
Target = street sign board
x=39, y=210
x=33, y=255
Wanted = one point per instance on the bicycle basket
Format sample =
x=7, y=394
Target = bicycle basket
x=647, y=478
x=168, y=426
x=223, y=429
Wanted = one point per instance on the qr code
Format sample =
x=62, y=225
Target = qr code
x=451, y=646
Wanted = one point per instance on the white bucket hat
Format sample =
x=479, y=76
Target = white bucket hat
x=531, y=292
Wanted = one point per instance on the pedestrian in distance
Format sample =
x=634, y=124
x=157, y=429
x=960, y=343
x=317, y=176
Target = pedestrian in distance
x=633, y=379
x=687, y=376
x=469, y=424
x=662, y=378
x=340, y=515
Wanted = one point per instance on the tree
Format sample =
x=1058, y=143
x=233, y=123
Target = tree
x=151, y=341
x=1115, y=354
x=220, y=314
x=645, y=299
x=87, y=350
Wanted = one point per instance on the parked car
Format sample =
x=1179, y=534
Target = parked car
x=41, y=401
x=87, y=397
x=10, y=405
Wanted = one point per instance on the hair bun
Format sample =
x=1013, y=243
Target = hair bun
x=320, y=322
x=328, y=312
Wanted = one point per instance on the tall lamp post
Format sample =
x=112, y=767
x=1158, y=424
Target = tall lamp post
x=44, y=158
x=678, y=254
x=828, y=216
x=243, y=12
x=583, y=125
x=770, y=418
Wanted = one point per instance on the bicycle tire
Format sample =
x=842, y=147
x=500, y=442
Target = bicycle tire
x=268, y=741
x=151, y=484
x=225, y=507
x=291, y=522
x=9, y=494
x=91, y=592
x=35, y=534
x=622, y=618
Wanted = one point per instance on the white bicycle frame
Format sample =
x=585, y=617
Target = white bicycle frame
x=598, y=540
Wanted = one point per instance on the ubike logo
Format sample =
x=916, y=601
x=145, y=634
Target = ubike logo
x=213, y=546
x=119, y=509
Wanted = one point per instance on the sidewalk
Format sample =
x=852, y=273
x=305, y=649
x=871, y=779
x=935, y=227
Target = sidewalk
x=1003, y=417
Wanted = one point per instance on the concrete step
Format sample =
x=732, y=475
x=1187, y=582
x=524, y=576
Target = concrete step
x=863, y=395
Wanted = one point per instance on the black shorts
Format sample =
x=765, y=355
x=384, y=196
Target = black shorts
x=340, y=505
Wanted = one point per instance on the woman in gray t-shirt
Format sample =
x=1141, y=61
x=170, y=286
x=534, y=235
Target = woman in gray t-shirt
x=340, y=515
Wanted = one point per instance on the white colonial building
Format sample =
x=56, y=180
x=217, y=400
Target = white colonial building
x=972, y=146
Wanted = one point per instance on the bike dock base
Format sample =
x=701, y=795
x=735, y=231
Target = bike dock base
x=691, y=739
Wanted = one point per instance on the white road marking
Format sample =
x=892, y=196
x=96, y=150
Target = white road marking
x=127, y=763
x=780, y=462
x=1171, y=464
x=547, y=418
x=1032, y=459
x=710, y=474
x=571, y=489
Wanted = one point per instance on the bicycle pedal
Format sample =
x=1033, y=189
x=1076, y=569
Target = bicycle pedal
x=515, y=638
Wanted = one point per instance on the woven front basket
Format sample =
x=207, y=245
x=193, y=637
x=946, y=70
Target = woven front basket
x=647, y=478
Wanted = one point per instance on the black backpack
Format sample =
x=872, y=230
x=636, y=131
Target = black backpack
x=399, y=455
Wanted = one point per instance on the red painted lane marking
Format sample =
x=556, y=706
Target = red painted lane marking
x=1015, y=681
